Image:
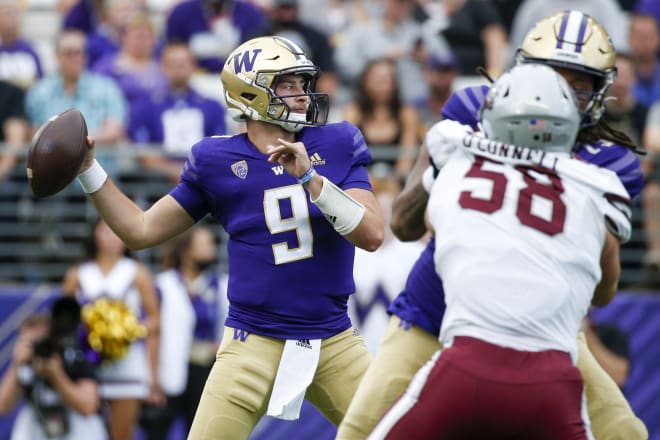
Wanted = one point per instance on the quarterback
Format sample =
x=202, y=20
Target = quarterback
x=294, y=196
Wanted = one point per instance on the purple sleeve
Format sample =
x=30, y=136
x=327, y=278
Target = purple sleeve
x=358, y=176
x=189, y=192
x=463, y=105
x=619, y=159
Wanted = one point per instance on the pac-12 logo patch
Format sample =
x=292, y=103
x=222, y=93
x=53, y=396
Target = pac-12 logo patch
x=240, y=168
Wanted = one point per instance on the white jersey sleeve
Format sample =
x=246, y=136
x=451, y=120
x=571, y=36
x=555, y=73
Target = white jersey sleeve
x=611, y=196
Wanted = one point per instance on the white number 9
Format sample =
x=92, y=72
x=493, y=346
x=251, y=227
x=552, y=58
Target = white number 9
x=299, y=221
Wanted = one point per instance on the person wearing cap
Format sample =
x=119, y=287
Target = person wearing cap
x=440, y=71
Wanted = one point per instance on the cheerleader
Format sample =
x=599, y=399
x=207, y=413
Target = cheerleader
x=109, y=272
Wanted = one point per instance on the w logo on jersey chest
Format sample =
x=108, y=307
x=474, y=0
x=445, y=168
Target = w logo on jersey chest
x=244, y=61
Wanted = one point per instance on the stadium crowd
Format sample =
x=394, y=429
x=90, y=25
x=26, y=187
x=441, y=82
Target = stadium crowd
x=146, y=76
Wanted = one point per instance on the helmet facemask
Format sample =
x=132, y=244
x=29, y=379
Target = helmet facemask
x=279, y=111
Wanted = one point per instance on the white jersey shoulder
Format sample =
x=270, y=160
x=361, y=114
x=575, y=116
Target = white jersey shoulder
x=518, y=247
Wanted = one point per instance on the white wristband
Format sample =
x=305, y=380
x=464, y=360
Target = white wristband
x=341, y=210
x=93, y=178
x=428, y=178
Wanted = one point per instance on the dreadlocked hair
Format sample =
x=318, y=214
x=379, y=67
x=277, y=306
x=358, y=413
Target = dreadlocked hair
x=602, y=131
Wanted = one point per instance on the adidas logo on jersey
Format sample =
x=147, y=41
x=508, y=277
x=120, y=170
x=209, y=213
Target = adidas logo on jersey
x=304, y=343
x=317, y=160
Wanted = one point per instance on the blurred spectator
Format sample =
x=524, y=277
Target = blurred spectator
x=19, y=63
x=14, y=127
x=177, y=118
x=285, y=22
x=622, y=111
x=476, y=34
x=108, y=272
x=607, y=12
x=609, y=345
x=50, y=372
x=98, y=98
x=644, y=41
x=384, y=119
x=651, y=193
x=394, y=35
x=507, y=10
x=213, y=28
x=134, y=67
x=332, y=17
x=648, y=7
x=80, y=14
x=440, y=71
x=106, y=36
x=193, y=309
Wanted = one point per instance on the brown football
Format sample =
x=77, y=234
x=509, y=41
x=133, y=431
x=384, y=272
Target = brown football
x=57, y=152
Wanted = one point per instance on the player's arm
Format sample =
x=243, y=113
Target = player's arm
x=408, y=208
x=138, y=229
x=370, y=232
x=611, y=270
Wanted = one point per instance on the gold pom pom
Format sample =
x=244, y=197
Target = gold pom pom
x=112, y=327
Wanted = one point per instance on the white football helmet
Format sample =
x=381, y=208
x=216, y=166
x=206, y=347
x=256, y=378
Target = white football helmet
x=531, y=105
x=574, y=40
x=250, y=76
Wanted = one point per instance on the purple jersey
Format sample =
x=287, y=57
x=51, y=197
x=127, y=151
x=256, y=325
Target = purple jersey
x=421, y=302
x=290, y=272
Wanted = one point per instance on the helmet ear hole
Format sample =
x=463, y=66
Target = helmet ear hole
x=248, y=96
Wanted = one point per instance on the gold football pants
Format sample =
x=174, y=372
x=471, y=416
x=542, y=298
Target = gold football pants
x=239, y=385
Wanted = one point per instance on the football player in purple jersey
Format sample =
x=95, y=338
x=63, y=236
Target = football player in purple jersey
x=294, y=197
x=580, y=49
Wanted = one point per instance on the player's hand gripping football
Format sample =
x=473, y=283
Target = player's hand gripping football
x=291, y=155
x=89, y=157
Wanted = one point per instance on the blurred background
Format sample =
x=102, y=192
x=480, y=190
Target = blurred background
x=145, y=74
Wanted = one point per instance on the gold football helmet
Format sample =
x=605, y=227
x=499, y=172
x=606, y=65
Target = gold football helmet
x=250, y=77
x=574, y=40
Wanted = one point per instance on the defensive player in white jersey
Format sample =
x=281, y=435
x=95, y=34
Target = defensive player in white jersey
x=579, y=48
x=526, y=239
